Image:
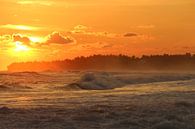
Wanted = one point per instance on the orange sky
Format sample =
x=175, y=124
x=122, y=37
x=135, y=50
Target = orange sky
x=56, y=29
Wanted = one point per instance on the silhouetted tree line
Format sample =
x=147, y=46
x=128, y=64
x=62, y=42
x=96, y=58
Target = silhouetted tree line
x=111, y=62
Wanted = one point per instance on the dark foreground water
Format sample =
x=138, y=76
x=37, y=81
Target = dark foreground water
x=97, y=100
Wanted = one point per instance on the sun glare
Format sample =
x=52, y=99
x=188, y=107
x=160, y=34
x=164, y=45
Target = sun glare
x=21, y=48
x=21, y=52
x=36, y=39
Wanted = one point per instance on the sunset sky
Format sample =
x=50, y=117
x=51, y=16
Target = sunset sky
x=45, y=30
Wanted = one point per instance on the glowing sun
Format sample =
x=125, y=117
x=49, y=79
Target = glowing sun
x=21, y=52
x=21, y=48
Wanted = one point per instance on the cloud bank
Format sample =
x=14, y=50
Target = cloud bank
x=130, y=35
x=57, y=38
x=19, y=38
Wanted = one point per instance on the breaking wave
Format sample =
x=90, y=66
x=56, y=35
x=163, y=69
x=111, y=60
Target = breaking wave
x=104, y=80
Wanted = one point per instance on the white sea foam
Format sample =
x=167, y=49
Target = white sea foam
x=104, y=80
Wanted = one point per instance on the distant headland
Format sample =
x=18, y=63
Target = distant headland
x=166, y=62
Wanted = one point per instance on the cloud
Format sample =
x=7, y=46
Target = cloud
x=146, y=27
x=5, y=38
x=24, y=39
x=20, y=27
x=130, y=35
x=37, y=2
x=80, y=29
x=88, y=31
x=5, y=42
x=57, y=38
x=54, y=38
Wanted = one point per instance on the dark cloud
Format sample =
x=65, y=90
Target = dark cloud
x=57, y=38
x=130, y=35
x=24, y=39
